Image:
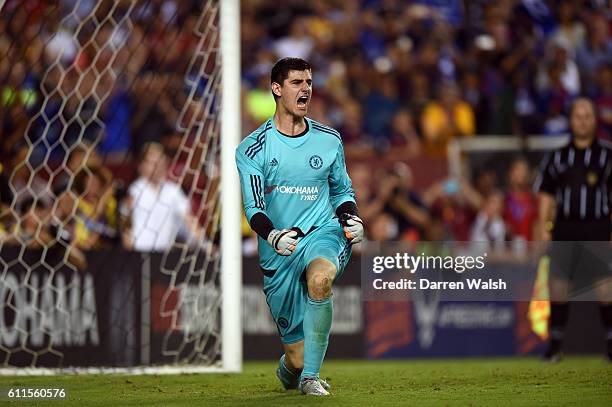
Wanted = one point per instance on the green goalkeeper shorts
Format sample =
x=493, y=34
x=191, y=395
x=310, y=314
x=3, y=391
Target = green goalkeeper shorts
x=285, y=287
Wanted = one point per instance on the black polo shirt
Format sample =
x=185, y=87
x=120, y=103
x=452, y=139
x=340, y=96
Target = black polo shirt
x=580, y=181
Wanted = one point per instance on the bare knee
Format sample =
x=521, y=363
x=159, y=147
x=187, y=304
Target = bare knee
x=320, y=276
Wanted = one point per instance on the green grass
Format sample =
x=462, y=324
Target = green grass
x=470, y=382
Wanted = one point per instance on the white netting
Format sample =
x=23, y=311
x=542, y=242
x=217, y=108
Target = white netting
x=199, y=124
x=90, y=54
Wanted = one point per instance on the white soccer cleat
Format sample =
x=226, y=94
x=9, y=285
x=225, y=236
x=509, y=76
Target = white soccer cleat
x=312, y=387
x=325, y=385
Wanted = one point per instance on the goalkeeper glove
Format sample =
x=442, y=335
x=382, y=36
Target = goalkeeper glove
x=353, y=227
x=284, y=241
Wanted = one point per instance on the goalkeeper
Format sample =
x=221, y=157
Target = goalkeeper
x=299, y=199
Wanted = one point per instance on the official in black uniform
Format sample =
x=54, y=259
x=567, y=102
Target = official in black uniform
x=574, y=193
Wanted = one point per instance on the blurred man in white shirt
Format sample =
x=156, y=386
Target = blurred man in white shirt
x=159, y=208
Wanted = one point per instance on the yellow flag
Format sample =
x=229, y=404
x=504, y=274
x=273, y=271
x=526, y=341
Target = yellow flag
x=539, y=307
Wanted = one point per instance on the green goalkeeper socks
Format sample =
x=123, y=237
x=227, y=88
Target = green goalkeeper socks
x=317, y=324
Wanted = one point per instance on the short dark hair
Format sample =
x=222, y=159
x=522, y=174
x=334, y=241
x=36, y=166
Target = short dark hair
x=280, y=70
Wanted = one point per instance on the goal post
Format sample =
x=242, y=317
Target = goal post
x=231, y=245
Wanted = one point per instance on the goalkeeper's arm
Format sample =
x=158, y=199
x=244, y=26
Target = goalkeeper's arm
x=251, y=180
x=342, y=197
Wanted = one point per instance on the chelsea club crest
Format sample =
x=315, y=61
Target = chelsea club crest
x=316, y=162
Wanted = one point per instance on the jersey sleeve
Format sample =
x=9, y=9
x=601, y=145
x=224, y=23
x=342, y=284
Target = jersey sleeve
x=340, y=187
x=252, y=184
x=547, y=178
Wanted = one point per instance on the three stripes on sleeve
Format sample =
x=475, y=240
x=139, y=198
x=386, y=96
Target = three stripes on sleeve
x=257, y=189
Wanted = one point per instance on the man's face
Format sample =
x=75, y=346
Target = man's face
x=154, y=166
x=583, y=120
x=295, y=92
x=518, y=174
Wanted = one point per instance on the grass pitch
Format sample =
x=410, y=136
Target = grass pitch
x=447, y=382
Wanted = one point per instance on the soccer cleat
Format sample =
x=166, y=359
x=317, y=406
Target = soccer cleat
x=553, y=354
x=312, y=386
x=288, y=379
x=325, y=385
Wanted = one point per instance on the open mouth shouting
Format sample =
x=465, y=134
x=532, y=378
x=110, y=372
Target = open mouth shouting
x=302, y=102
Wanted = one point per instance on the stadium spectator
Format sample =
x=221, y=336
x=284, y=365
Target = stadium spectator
x=404, y=136
x=159, y=208
x=485, y=181
x=420, y=96
x=383, y=228
x=151, y=119
x=473, y=95
x=520, y=206
x=570, y=30
x=298, y=43
x=116, y=139
x=405, y=205
x=80, y=156
x=446, y=118
x=527, y=116
x=455, y=203
x=95, y=215
x=381, y=103
x=371, y=203
x=33, y=230
x=595, y=51
x=566, y=69
x=194, y=172
x=489, y=224
x=351, y=119
x=556, y=122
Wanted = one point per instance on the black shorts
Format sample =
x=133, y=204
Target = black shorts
x=582, y=264
x=574, y=230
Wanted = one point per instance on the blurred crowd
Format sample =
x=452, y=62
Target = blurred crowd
x=411, y=75
x=454, y=209
x=92, y=92
x=392, y=73
x=90, y=98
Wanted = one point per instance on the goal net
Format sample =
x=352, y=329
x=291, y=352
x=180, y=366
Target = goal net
x=115, y=137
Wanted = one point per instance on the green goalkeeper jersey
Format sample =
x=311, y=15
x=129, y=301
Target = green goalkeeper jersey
x=296, y=181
